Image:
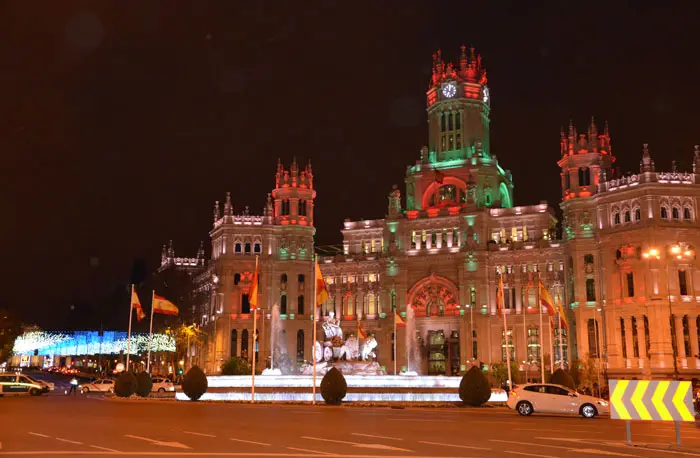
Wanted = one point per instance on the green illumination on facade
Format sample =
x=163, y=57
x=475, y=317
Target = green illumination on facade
x=393, y=226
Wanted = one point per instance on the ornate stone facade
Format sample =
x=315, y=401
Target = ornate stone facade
x=622, y=262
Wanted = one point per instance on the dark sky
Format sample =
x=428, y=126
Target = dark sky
x=121, y=122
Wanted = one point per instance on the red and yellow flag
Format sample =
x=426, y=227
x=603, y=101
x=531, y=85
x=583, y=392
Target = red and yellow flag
x=253, y=294
x=164, y=306
x=321, y=288
x=136, y=305
x=562, y=315
x=400, y=322
x=361, y=333
x=500, y=299
x=546, y=299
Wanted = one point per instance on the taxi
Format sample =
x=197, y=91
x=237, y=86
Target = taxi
x=18, y=384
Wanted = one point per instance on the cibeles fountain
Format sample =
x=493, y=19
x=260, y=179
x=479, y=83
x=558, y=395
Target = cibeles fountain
x=286, y=381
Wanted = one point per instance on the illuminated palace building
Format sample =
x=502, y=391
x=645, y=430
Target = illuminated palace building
x=623, y=267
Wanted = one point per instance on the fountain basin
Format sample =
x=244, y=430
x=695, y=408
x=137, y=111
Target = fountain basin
x=361, y=388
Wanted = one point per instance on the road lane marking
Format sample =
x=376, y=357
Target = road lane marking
x=249, y=442
x=530, y=454
x=358, y=445
x=37, y=434
x=157, y=442
x=377, y=437
x=455, y=446
x=105, y=449
x=571, y=449
x=198, y=434
x=308, y=450
x=557, y=430
x=530, y=443
x=618, y=445
x=424, y=420
x=69, y=441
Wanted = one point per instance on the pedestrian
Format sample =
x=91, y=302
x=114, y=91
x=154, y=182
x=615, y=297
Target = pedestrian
x=74, y=386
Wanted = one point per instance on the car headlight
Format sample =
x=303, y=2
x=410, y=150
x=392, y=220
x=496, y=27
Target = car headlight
x=603, y=403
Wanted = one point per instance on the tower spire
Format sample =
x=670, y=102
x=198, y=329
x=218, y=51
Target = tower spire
x=646, y=164
x=217, y=212
x=228, y=208
x=200, y=253
x=696, y=159
x=462, y=58
x=171, y=250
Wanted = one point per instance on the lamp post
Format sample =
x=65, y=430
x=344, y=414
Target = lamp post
x=597, y=345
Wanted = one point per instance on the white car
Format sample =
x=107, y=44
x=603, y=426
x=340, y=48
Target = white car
x=47, y=386
x=162, y=385
x=549, y=398
x=103, y=385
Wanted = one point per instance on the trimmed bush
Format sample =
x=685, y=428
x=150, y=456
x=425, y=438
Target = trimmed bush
x=144, y=384
x=561, y=377
x=194, y=383
x=474, y=389
x=333, y=387
x=236, y=366
x=125, y=385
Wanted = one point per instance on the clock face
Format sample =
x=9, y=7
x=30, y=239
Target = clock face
x=449, y=90
x=486, y=95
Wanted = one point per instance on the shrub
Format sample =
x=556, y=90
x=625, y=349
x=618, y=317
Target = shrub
x=125, y=385
x=194, y=383
x=561, y=377
x=236, y=366
x=144, y=384
x=333, y=387
x=474, y=389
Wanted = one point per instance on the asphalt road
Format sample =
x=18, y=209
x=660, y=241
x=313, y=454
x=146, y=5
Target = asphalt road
x=87, y=425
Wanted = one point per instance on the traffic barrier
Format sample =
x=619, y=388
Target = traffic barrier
x=651, y=400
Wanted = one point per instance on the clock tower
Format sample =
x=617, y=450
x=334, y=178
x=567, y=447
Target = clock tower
x=458, y=108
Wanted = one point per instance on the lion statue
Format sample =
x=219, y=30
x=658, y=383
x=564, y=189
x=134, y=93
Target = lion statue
x=368, y=348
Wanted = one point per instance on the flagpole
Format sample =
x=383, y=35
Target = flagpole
x=561, y=342
x=505, y=333
x=150, y=333
x=395, y=341
x=540, y=333
x=128, y=337
x=313, y=342
x=524, y=312
x=551, y=346
x=255, y=324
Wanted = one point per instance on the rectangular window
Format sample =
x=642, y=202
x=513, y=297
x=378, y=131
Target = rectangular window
x=623, y=338
x=245, y=304
x=647, y=342
x=533, y=345
x=682, y=283
x=590, y=289
x=635, y=338
x=630, y=284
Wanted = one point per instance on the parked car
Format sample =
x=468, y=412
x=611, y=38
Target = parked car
x=162, y=385
x=103, y=385
x=549, y=398
x=18, y=384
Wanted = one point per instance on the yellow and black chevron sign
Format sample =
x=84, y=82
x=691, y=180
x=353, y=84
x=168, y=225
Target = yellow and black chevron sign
x=651, y=400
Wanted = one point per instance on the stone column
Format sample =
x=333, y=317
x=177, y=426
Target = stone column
x=641, y=338
x=450, y=240
x=419, y=240
x=459, y=238
x=693, y=335
x=438, y=239
x=680, y=342
x=492, y=297
x=429, y=240
x=518, y=296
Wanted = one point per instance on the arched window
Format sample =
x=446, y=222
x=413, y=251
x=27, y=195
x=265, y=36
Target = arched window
x=302, y=208
x=283, y=304
x=675, y=213
x=283, y=278
x=348, y=305
x=616, y=218
x=458, y=121
x=257, y=248
x=567, y=180
x=637, y=214
x=447, y=193
x=442, y=122
x=244, y=344
x=533, y=345
x=238, y=247
x=300, y=304
x=628, y=216
x=236, y=279
x=686, y=214
x=371, y=304
x=584, y=177
x=300, y=277
x=300, y=345
x=234, y=343
x=664, y=213
x=245, y=304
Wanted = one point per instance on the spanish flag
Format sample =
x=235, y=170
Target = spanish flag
x=253, y=294
x=562, y=315
x=400, y=322
x=361, y=333
x=321, y=288
x=546, y=299
x=136, y=305
x=164, y=306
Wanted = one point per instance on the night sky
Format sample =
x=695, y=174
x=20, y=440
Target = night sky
x=122, y=122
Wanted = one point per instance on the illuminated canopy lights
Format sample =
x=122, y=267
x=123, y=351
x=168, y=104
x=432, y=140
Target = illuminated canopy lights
x=80, y=343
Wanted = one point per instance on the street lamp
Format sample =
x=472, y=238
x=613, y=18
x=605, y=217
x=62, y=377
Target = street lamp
x=471, y=329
